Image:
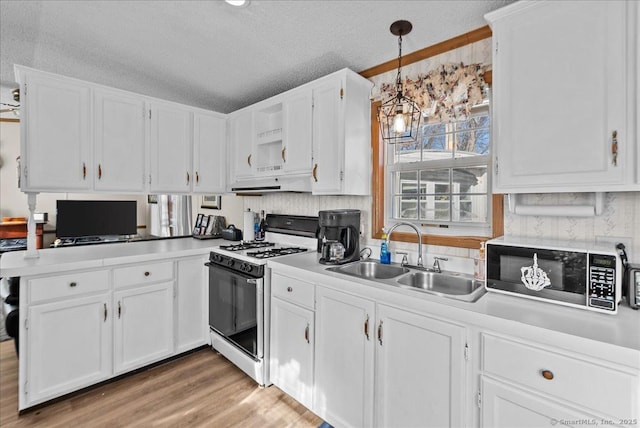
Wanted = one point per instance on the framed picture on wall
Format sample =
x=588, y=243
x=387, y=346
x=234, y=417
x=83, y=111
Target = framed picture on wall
x=211, y=202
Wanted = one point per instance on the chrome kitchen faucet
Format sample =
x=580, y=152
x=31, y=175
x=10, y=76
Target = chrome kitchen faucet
x=415, y=228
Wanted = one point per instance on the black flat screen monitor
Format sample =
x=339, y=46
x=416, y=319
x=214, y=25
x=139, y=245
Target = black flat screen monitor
x=95, y=218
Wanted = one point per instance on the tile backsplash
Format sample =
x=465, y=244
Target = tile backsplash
x=620, y=219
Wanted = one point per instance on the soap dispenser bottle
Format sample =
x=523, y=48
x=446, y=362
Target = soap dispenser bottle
x=385, y=255
x=479, y=263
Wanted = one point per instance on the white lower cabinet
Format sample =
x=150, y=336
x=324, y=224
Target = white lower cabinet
x=504, y=406
x=343, y=390
x=83, y=327
x=291, y=359
x=418, y=379
x=192, y=304
x=292, y=336
x=68, y=346
x=420, y=368
x=143, y=325
x=552, y=384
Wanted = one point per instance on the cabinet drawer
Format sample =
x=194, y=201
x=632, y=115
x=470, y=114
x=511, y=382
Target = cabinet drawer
x=142, y=274
x=593, y=384
x=73, y=284
x=293, y=290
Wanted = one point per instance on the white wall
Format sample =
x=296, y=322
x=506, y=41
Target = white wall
x=231, y=208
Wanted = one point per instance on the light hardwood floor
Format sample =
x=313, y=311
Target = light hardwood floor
x=202, y=389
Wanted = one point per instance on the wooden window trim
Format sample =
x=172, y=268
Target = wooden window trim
x=377, y=206
x=377, y=149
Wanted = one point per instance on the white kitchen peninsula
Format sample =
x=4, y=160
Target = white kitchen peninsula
x=89, y=313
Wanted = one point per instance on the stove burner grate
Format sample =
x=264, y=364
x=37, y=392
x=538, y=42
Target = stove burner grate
x=247, y=245
x=275, y=252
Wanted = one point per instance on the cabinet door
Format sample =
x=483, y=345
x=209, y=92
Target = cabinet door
x=119, y=141
x=241, y=144
x=291, y=359
x=143, y=326
x=68, y=346
x=328, y=141
x=192, y=293
x=170, y=148
x=343, y=387
x=560, y=73
x=56, y=141
x=420, y=369
x=504, y=406
x=296, y=145
x=209, y=153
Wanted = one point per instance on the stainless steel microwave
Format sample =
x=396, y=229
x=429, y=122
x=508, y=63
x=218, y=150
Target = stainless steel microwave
x=578, y=274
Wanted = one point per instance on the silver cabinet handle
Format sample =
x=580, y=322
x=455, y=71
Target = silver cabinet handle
x=306, y=333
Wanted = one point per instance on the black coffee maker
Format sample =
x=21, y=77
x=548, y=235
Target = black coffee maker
x=339, y=236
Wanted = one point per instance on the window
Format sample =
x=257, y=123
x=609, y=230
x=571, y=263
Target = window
x=441, y=181
x=439, y=189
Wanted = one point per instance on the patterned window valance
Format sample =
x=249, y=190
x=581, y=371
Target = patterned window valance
x=446, y=93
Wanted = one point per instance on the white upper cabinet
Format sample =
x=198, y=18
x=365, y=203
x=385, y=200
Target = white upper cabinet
x=119, y=127
x=56, y=133
x=296, y=129
x=209, y=152
x=170, y=148
x=241, y=144
x=79, y=136
x=563, y=96
x=341, y=135
x=310, y=130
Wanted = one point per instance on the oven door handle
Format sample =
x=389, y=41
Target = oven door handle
x=251, y=281
x=233, y=271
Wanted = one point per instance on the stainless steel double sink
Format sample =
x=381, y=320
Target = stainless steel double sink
x=448, y=284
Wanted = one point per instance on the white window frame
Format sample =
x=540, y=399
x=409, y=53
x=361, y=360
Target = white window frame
x=446, y=228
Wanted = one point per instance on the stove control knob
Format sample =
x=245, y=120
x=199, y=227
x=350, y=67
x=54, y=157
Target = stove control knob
x=230, y=262
x=246, y=267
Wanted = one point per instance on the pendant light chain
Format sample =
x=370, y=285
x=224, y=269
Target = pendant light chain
x=398, y=76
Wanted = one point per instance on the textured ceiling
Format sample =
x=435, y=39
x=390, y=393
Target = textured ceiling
x=212, y=55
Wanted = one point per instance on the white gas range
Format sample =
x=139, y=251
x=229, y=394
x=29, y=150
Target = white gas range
x=239, y=291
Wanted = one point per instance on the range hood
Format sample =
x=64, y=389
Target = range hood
x=300, y=183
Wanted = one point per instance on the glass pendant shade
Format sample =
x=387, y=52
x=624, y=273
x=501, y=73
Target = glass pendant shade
x=399, y=116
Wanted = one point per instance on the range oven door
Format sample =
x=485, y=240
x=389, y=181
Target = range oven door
x=235, y=308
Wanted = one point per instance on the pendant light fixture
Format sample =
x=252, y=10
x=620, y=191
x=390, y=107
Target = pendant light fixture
x=399, y=116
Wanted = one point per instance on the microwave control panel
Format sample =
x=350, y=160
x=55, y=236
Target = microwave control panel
x=602, y=282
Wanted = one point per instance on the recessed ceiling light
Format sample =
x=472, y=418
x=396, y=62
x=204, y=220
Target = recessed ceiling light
x=238, y=3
